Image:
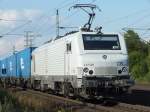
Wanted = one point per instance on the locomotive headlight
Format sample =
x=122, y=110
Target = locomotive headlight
x=123, y=70
x=91, y=72
x=86, y=70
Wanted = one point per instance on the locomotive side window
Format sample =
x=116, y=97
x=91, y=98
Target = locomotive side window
x=68, y=45
x=101, y=42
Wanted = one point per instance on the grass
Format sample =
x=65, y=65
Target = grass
x=143, y=80
x=20, y=102
x=8, y=103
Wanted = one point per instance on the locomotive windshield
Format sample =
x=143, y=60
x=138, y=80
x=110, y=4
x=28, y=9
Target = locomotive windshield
x=101, y=42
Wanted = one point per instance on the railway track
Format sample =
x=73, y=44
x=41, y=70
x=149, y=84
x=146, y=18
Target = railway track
x=132, y=108
x=91, y=107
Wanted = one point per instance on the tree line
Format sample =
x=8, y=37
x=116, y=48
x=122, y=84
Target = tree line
x=139, y=56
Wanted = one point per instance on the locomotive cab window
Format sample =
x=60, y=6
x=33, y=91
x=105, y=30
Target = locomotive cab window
x=68, y=45
x=101, y=42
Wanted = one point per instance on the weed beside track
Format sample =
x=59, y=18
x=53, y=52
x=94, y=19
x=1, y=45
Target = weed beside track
x=18, y=101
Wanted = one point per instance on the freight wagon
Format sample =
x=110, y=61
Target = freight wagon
x=24, y=63
x=11, y=66
x=17, y=67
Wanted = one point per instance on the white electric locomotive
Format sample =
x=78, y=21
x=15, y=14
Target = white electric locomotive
x=85, y=63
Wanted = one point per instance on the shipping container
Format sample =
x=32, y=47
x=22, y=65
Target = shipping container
x=24, y=63
x=11, y=66
x=17, y=65
x=4, y=67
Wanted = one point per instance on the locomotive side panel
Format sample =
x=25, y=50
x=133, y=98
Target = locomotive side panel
x=38, y=62
x=56, y=59
x=48, y=64
x=52, y=64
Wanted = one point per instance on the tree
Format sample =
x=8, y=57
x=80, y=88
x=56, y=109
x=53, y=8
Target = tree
x=138, y=55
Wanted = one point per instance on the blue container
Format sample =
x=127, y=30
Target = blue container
x=11, y=66
x=4, y=67
x=24, y=63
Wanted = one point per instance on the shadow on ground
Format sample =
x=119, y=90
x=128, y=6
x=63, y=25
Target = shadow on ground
x=137, y=97
x=140, y=95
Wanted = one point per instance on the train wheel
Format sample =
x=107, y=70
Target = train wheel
x=66, y=91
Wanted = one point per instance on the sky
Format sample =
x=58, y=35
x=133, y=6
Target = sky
x=38, y=17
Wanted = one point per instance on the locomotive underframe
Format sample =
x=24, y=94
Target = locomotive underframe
x=96, y=86
x=91, y=86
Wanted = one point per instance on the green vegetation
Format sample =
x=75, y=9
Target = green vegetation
x=8, y=103
x=20, y=102
x=139, y=56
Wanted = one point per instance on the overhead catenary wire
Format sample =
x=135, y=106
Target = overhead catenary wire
x=127, y=28
x=14, y=34
x=139, y=20
x=147, y=32
x=126, y=16
x=42, y=30
x=44, y=18
x=68, y=4
x=39, y=26
x=11, y=32
x=61, y=21
x=16, y=28
x=141, y=35
x=54, y=25
x=63, y=3
x=66, y=18
x=20, y=26
x=47, y=17
x=19, y=20
x=135, y=22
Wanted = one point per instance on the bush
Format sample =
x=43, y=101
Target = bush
x=139, y=57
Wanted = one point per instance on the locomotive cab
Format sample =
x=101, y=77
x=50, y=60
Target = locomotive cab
x=102, y=64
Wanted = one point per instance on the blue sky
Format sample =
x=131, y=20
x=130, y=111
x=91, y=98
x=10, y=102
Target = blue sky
x=115, y=15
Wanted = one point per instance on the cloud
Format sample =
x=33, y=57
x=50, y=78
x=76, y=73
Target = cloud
x=31, y=14
x=5, y=16
x=10, y=19
x=7, y=44
x=42, y=24
x=5, y=49
x=19, y=44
